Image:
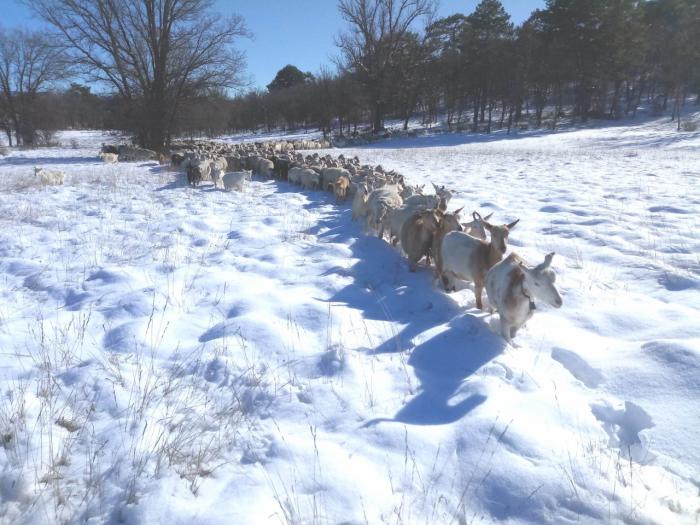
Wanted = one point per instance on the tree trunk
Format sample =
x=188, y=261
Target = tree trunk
x=615, y=100
x=377, y=116
x=510, y=119
x=488, y=127
x=639, y=98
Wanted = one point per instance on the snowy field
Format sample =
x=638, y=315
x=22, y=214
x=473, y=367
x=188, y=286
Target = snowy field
x=177, y=355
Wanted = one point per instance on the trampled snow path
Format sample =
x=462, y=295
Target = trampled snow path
x=178, y=355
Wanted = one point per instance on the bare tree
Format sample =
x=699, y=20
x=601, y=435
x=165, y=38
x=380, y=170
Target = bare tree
x=371, y=45
x=29, y=62
x=153, y=53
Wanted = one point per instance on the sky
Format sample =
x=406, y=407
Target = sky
x=298, y=32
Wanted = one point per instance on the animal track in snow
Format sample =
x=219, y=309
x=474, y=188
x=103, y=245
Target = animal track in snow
x=623, y=426
x=578, y=367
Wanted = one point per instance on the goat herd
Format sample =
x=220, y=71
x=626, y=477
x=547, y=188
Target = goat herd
x=391, y=208
x=419, y=223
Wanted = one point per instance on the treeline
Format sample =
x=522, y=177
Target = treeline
x=158, y=61
x=77, y=107
x=576, y=58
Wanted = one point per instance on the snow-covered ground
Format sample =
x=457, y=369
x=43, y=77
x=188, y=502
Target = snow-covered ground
x=177, y=355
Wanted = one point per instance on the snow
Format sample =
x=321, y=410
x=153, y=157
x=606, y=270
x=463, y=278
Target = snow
x=182, y=355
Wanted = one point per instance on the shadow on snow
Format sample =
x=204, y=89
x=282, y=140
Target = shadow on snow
x=447, y=345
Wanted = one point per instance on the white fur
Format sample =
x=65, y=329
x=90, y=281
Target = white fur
x=512, y=286
x=49, y=177
x=379, y=203
x=109, y=158
x=235, y=180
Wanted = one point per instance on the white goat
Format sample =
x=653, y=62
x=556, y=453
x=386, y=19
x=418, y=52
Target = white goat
x=512, y=288
x=396, y=218
x=475, y=228
x=443, y=193
x=218, y=169
x=331, y=175
x=359, y=201
x=379, y=203
x=426, y=201
x=468, y=258
x=49, y=177
x=310, y=179
x=109, y=158
x=266, y=168
x=235, y=180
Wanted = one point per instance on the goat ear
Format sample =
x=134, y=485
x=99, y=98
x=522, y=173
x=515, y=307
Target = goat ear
x=488, y=216
x=456, y=212
x=548, y=259
x=512, y=224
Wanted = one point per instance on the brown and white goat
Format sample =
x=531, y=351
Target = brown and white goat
x=468, y=258
x=512, y=288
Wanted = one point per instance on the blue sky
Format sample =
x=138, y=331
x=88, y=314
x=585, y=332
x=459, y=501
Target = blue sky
x=299, y=32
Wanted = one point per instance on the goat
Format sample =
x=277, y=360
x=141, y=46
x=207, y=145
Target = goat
x=475, y=228
x=218, y=169
x=109, y=158
x=266, y=167
x=310, y=179
x=512, y=288
x=379, y=203
x=468, y=258
x=236, y=179
x=443, y=193
x=331, y=175
x=417, y=235
x=197, y=171
x=234, y=163
x=359, y=202
x=49, y=177
x=340, y=188
x=409, y=191
x=109, y=149
x=448, y=222
x=427, y=201
x=294, y=175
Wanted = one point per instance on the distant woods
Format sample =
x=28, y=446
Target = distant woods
x=156, y=57
x=579, y=59
x=166, y=68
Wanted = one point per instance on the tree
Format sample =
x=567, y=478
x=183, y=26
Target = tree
x=370, y=47
x=289, y=76
x=485, y=37
x=155, y=54
x=29, y=62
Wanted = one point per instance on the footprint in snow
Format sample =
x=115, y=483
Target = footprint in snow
x=623, y=426
x=578, y=367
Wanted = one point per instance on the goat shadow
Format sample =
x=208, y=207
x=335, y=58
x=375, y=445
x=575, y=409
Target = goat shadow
x=452, y=344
